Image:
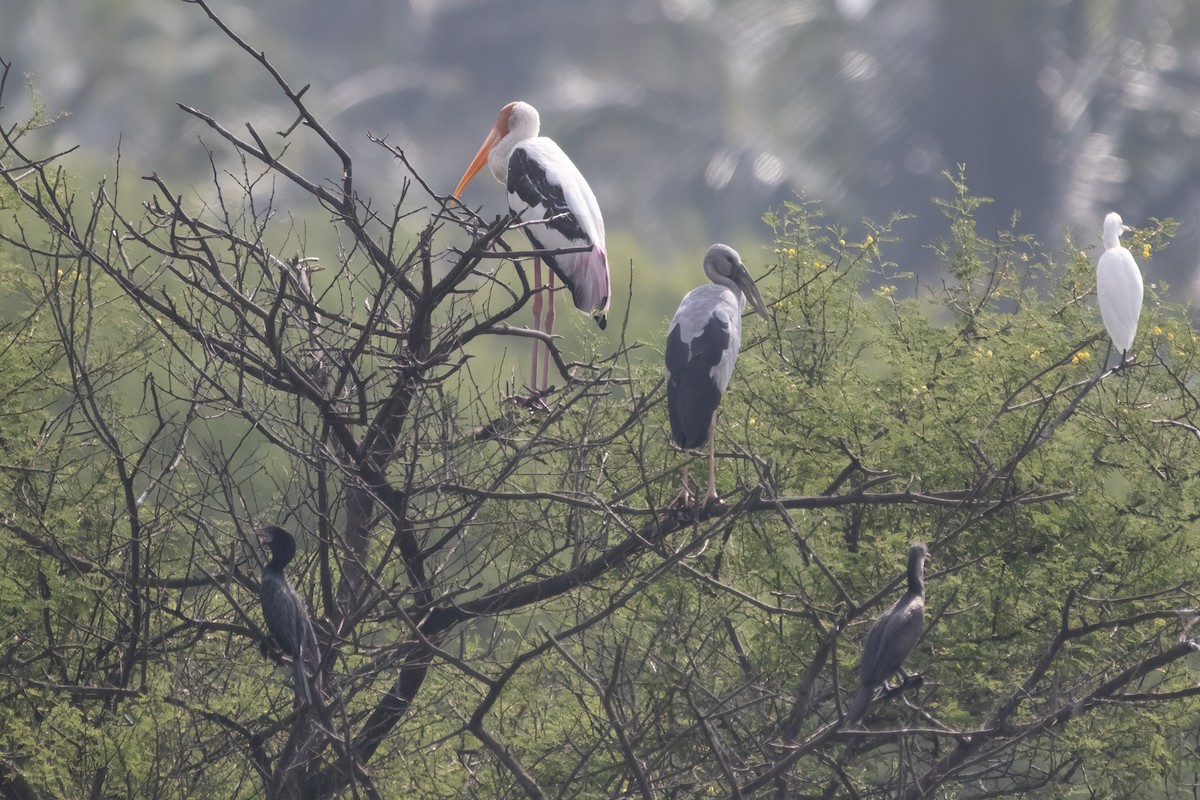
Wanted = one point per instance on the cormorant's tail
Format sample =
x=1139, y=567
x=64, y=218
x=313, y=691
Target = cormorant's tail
x=858, y=708
x=303, y=691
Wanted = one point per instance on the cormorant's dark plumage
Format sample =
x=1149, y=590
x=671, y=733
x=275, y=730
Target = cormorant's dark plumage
x=892, y=637
x=284, y=611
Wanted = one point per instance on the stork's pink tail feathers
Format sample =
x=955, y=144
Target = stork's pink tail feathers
x=592, y=289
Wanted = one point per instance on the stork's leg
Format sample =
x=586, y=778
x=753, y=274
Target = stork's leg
x=684, y=498
x=711, y=495
x=549, y=329
x=537, y=321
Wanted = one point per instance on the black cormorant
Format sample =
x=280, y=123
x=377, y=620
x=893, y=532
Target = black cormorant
x=286, y=617
x=892, y=637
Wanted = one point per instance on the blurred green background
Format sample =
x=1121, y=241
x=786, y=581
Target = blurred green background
x=690, y=118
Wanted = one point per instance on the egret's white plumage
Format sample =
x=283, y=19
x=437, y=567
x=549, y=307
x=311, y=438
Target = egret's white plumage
x=703, y=340
x=543, y=184
x=1118, y=286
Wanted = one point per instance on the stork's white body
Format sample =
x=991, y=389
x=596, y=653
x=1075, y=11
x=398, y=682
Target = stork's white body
x=586, y=273
x=703, y=341
x=705, y=315
x=549, y=194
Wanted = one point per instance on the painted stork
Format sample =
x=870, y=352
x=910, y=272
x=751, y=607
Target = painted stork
x=284, y=611
x=1118, y=287
x=892, y=637
x=543, y=185
x=702, y=347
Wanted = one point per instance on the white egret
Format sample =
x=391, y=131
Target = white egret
x=1118, y=287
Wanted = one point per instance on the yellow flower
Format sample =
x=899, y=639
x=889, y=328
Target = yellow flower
x=1025, y=257
x=792, y=252
x=1146, y=250
x=1157, y=331
x=753, y=420
x=1170, y=336
x=842, y=242
x=870, y=241
x=988, y=354
x=1035, y=354
x=1082, y=355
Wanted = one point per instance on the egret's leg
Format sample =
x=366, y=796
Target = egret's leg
x=712, y=460
x=537, y=320
x=549, y=329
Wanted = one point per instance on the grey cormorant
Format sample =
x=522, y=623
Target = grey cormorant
x=892, y=637
x=284, y=611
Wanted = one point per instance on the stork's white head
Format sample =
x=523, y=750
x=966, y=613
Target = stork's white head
x=517, y=122
x=724, y=266
x=1113, y=228
x=520, y=120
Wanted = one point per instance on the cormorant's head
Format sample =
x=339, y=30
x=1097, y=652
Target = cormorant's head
x=916, y=567
x=281, y=544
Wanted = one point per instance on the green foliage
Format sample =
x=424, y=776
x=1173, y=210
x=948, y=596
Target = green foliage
x=944, y=389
